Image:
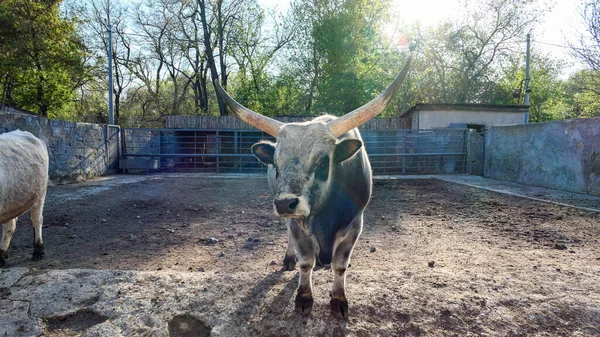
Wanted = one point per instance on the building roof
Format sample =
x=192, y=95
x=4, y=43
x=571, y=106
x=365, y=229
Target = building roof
x=467, y=107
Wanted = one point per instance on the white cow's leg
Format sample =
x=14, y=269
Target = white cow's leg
x=289, y=261
x=306, y=261
x=38, y=219
x=8, y=229
x=341, y=260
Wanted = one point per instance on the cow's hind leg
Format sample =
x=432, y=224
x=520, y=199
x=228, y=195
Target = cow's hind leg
x=289, y=262
x=306, y=260
x=341, y=260
x=8, y=229
x=37, y=219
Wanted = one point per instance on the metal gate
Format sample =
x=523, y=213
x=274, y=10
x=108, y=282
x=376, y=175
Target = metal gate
x=228, y=151
x=112, y=137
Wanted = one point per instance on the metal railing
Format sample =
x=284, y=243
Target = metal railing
x=113, y=149
x=417, y=151
x=209, y=150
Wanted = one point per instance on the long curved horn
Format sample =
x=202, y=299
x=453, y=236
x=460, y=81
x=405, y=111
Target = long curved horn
x=259, y=121
x=357, y=117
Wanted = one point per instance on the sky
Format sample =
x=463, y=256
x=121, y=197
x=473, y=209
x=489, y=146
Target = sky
x=560, y=25
x=556, y=28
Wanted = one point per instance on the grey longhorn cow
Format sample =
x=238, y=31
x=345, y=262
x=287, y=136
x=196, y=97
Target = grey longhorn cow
x=321, y=178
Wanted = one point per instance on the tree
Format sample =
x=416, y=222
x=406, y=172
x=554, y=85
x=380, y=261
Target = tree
x=585, y=85
x=193, y=50
x=41, y=56
x=209, y=46
x=164, y=61
x=253, y=49
x=336, y=51
x=587, y=49
x=583, y=97
x=465, y=55
x=547, y=92
x=93, y=29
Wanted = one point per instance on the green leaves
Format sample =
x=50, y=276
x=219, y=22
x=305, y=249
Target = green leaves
x=41, y=55
x=322, y=56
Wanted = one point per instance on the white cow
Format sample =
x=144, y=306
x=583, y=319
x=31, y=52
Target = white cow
x=23, y=182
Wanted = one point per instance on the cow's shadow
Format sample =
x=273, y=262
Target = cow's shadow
x=266, y=315
x=253, y=302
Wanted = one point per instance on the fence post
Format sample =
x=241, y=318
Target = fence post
x=195, y=159
x=469, y=144
x=106, y=148
x=218, y=150
x=405, y=134
x=118, y=146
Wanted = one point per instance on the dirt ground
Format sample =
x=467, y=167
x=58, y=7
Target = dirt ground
x=451, y=259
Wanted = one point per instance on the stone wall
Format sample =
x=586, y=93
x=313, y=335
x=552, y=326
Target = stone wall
x=78, y=151
x=562, y=155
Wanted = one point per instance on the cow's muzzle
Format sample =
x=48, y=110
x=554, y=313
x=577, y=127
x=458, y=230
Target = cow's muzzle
x=290, y=205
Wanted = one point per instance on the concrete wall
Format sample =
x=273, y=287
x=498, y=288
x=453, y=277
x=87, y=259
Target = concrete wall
x=562, y=155
x=77, y=150
x=432, y=119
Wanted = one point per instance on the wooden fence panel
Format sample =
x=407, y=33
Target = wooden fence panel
x=234, y=123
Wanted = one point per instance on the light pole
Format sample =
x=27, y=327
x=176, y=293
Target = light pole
x=111, y=113
x=527, y=78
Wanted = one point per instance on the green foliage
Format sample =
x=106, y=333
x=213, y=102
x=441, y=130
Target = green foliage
x=41, y=56
x=583, y=87
x=334, y=62
x=345, y=40
x=322, y=56
x=546, y=93
x=582, y=92
x=463, y=58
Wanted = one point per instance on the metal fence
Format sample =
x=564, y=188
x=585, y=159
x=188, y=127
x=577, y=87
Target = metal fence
x=113, y=149
x=227, y=151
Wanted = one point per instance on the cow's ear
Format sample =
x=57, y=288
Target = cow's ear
x=346, y=149
x=264, y=152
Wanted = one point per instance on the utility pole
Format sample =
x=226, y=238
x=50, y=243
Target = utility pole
x=111, y=113
x=527, y=78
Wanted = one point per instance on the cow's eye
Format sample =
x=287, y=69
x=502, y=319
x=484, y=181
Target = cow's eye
x=322, y=171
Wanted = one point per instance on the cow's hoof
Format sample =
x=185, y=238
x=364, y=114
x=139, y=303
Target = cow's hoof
x=304, y=304
x=38, y=251
x=289, y=262
x=339, y=308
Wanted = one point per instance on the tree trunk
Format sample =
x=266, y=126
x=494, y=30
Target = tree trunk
x=313, y=83
x=209, y=54
x=204, y=91
x=117, y=105
x=7, y=90
x=40, y=97
x=222, y=52
x=118, y=89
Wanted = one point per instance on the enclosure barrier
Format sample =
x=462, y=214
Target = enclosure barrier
x=77, y=151
x=563, y=155
x=441, y=151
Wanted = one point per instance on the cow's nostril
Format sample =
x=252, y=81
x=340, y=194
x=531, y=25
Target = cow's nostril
x=286, y=205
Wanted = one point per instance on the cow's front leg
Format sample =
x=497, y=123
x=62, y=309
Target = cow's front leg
x=341, y=260
x=289, y=262
x=306, y=260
